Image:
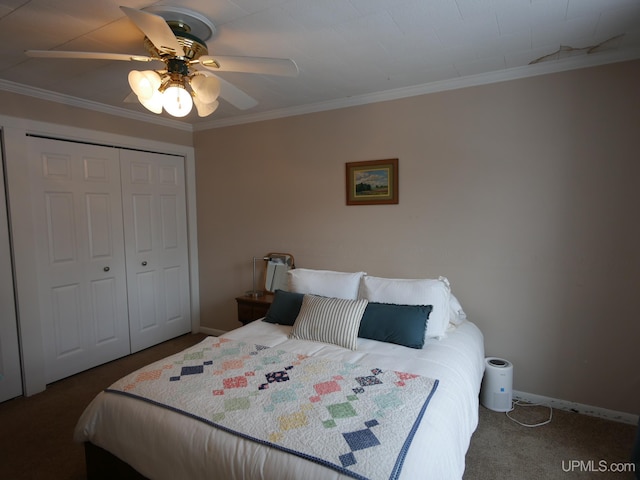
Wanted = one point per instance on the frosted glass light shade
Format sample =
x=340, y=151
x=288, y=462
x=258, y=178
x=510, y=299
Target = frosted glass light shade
x=204, y=109
x=144, y=83
x=177, y=101
x=206, y=88
x=154, y=103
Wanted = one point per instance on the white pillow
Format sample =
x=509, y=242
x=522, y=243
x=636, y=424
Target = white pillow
x=456, y=313
x=329, y=320
x=401, y=291
x=325, y=283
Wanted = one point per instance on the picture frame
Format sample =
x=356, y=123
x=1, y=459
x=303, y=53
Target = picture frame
x=372, y=182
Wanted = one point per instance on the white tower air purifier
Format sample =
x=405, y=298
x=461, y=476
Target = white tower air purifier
x=497, y=385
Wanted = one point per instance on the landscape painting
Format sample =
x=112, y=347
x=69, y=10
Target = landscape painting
x=373, y=182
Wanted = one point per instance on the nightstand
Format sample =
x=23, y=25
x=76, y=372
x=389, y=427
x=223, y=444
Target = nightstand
x=252, y=308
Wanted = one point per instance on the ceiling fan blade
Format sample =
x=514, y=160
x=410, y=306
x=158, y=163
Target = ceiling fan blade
x=156, y=29
x=233, y=94
x=88, y=55
x=270, y=66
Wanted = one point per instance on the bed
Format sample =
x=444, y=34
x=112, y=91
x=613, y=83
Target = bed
x=435, y=387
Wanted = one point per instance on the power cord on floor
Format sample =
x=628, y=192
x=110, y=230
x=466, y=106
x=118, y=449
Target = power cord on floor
x=518, y=403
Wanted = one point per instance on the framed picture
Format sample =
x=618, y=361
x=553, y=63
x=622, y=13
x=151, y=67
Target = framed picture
x=372, y=182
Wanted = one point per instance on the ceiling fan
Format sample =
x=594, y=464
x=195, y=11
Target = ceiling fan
x=176, y=36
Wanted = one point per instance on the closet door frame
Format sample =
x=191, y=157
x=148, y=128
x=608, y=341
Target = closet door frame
x=10, y=368
x=23, y=228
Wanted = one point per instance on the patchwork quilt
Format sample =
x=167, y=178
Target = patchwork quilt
x=356, y=419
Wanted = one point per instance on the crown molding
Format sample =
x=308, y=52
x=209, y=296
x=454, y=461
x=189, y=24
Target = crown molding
x=50, y=96
x=543, y=68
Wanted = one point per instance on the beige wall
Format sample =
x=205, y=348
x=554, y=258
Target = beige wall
x=524, y=193
x=34, y=109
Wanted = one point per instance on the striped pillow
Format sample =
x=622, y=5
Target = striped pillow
x=329, y=320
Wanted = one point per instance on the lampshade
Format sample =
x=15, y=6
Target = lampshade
x=205, y=88
x=156, y=91
x=176, y=100
x=204, y=109
x=154, y=103
x=144, y=84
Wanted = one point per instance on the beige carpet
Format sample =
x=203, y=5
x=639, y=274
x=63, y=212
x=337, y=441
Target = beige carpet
x=36, y=440
x=36, y=433
x=502, y=449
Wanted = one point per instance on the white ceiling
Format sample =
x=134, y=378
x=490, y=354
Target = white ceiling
x=348, y=51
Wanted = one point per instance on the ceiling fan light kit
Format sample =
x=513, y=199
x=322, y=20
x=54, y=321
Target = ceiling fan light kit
x=176, y=100
x=205, y=109
x=153, y=104
x=176, y=36
x=175, y=92
x=206, y=88
x=175, y=86
x=144, y=83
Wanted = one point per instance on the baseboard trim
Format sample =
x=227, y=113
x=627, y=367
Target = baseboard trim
x=614, y=415
x=211, y=331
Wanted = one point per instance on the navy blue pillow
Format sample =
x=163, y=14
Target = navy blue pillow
x=285, y=307
x=399, y=324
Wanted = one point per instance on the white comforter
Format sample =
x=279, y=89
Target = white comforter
x=161, y=444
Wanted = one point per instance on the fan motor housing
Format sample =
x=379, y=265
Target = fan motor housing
x=192, y=46
x=191, y=29
x=177, y=65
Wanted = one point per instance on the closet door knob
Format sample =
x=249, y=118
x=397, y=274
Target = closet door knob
x=106, y=269
x=144, y=264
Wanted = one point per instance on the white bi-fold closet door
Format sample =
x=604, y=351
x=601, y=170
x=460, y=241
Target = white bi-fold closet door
x=154, y=206
x=103, y=226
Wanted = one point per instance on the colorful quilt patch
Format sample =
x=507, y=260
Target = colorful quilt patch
x=355, y=419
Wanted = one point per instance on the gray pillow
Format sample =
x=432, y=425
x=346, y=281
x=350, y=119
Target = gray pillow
x=285, y=307
x=399, y=324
